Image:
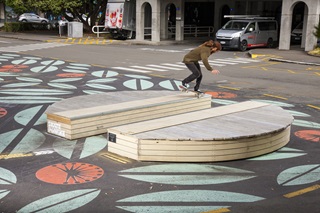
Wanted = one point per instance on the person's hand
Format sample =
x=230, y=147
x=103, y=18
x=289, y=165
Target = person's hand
x=215, y=72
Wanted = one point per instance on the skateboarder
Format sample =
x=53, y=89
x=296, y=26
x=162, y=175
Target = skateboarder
x=191, y=60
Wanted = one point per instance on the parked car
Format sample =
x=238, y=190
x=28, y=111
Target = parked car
x=244, y=32
x=31, y=17
x=296, y=33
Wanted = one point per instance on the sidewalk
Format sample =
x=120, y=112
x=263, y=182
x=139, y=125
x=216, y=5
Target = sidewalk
x=295, y=55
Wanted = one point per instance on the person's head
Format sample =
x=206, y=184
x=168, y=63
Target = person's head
x=216, y=46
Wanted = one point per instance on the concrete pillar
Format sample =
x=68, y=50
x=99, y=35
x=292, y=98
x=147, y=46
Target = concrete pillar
x=286, y=21
x=140, y=20
x=313, y=20
x=155, y=20
x=180, y=21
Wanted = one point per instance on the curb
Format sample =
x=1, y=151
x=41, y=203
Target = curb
x=294, y=62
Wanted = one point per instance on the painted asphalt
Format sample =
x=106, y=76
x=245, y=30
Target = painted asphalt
x=43, y=173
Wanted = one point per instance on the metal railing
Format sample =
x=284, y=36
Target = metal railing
x=96, y=29
x=189, y=30
x=193, y=31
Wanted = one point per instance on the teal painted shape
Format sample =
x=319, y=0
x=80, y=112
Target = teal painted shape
x=278, y=103
x=62, y=86
x=223, y=102
x=31, y=141
x=25, y=116
x=9, y=55
x=29, y=79
x=7, y=177
x=167, y=85
x=28, y=100
x=80, y=65
x=78, y=68
x=184, y=196
x=3, y=193
x=146, y=84
x=299, y=175
x=182, y=168
x=7, y=138
x=62, y=202
x=308, y=124
x=101, y=86
x=277, y=156
x=189, y=179
x=34, y=92
x=131, y=84
x=220, y=174
x=171, y=209
x=20, y=85
x=103, y=80
x=32, y=58
x=44, y=69
x=98, y=74
x=1, y=79
x=62, y=80
x=93, y=145
x=65, y=148
x=170, y=85
x=24, y=61
x=111, y=74
x=138, y=76
x=7, y=74
x=74, y=71
x=298, y=114
x=41, y=120
x=53, y=62
x=91, y=92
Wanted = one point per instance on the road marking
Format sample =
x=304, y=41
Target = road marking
x=148, y=68
x=130, y=69
x=28, y=47
x=115, y=157
x=218, y=210
x=302, y=191
x=163, y=67
x=275, y=96
x=312, y=106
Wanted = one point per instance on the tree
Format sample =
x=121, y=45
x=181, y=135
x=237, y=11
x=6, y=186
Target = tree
x=83, y=10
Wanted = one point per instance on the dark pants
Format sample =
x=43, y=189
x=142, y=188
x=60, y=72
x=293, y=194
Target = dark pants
x=196, y=74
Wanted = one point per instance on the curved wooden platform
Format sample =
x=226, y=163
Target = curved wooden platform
x=200, y=134
x=224, y=133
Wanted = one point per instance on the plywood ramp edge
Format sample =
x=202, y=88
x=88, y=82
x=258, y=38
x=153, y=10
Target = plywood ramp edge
x=187, y=117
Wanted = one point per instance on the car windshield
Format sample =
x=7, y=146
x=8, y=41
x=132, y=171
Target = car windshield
x=235, y=25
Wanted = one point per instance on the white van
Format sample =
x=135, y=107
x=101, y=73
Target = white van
x=246, y=32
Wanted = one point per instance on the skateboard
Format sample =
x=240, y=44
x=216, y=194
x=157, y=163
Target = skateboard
x=197, y=94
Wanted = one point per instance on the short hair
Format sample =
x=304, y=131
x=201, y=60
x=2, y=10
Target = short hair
x=217, y=45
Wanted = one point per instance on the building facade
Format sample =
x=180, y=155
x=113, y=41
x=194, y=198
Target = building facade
x=155, y=14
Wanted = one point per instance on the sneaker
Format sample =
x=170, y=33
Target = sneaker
x=199, y=91
x=184, y=86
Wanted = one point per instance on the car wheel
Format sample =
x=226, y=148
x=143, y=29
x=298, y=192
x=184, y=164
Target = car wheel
x=243, y=45
x=43, y=22
x=23, y=20
x=270, y=43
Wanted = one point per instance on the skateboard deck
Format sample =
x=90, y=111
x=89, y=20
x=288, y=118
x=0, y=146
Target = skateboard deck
x=197, y=94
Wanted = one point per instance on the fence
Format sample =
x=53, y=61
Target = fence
x=189, y=31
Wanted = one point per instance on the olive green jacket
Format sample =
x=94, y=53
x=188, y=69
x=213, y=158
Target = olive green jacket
x=197, y=54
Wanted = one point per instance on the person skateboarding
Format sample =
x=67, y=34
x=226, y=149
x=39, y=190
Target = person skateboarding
x=191, y=60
